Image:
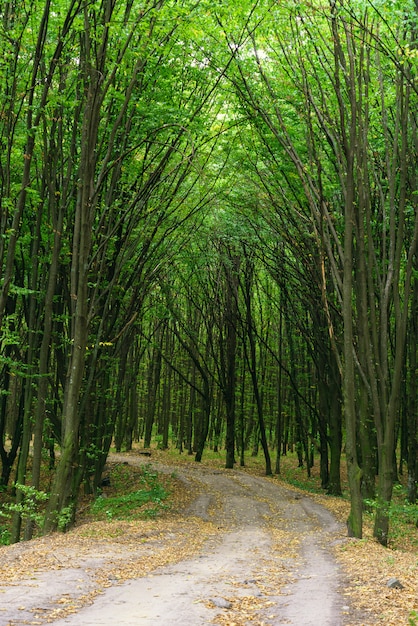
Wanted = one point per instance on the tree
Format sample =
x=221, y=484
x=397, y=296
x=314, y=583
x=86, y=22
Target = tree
x=210, y=193
x=335, y=163
x=112, y=127
x=251, y=352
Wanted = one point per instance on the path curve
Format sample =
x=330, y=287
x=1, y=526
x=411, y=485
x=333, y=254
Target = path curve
x=269, y=562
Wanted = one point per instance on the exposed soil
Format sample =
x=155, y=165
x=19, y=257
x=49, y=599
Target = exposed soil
x=243, y=551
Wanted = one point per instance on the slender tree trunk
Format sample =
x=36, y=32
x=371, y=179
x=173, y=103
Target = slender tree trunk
x=349, y=139
x=63, y=491
x=32, y=352
x=355, y=519
x=228, y=353
x=412, y=403
x=242, y=414
x=279, y=419
x=44, y=355
x=335, y=437
x=324, y=411
x=252, y=361
x=206, y=411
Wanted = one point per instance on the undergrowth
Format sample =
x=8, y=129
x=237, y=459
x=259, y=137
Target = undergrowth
x=136, y=495
x=403, y=514
x=140, y=493
x=133, y=493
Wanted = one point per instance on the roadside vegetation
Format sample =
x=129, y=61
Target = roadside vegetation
x=138, y=501
x=131, y=493
x=126, y=493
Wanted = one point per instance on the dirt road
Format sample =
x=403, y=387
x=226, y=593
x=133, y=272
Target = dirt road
x=266, y=561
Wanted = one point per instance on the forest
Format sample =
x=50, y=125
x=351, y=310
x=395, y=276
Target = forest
x=208, y=239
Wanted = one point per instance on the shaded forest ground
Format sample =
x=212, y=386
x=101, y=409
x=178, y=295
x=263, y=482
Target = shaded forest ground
x=368, y=564
x=170, y=537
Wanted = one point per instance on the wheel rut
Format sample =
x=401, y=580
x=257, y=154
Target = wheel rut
x=266, y=561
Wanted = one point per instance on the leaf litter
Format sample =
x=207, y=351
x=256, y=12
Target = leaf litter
x=116, y=551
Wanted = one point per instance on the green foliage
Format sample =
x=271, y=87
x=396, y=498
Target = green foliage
x=92, y=452
x=297, y=476
x=402, y=514
x=159, y=442
x=29, y=508
x=217, y=121
x=145, y=501
x=65, y=517
x=5, y=536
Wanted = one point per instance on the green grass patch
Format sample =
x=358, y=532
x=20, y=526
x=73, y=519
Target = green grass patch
x=298, y=477
x=141, y=496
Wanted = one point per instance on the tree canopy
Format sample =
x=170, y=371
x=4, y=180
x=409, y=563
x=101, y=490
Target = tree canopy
x=208, y=237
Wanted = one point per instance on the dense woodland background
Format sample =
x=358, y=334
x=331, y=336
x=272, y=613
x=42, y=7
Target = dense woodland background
x=208, y=237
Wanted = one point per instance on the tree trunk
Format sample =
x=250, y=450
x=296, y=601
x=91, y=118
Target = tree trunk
x=206, y=411
x=335, y=429
x=279, y=419
x=228, y=353
x=355, y=518
x=63, y=490
x=154, y=375
x=251, y=358
x=412, y=416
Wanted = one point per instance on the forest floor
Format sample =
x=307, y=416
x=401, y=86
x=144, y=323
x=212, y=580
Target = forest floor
x=234, y=549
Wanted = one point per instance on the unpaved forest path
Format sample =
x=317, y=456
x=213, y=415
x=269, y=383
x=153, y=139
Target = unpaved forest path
x=266, y=561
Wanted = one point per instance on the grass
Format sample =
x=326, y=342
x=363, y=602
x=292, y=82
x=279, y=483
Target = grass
x=140, y=493
x=137, y=495
x=134, y=493
x=403, y=515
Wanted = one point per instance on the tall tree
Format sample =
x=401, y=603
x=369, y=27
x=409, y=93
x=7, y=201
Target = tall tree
x=330, y=81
